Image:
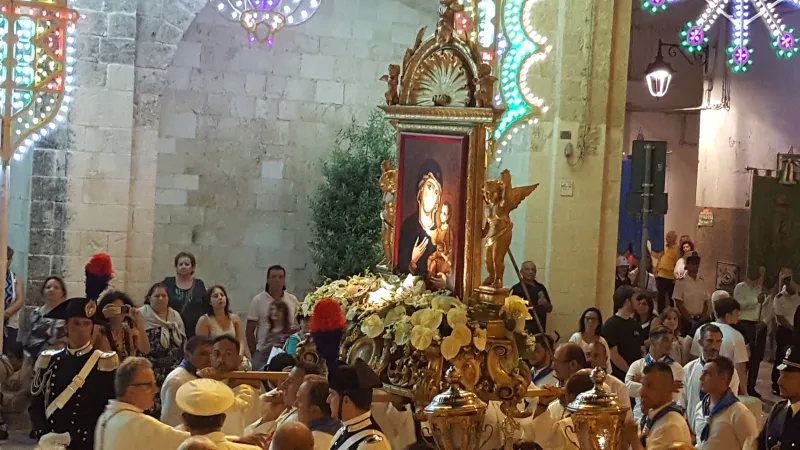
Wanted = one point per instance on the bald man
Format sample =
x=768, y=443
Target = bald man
x=539, y=298
x=293, y=436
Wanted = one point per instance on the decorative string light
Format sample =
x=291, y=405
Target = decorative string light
x=40, y=80
x=465, y=20
x=742, y=14
x=521, y=47
x=263, y=19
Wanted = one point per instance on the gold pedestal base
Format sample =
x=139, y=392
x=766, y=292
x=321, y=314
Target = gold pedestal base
x=495, y=296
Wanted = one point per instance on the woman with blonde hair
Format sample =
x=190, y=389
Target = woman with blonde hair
x=681, y=345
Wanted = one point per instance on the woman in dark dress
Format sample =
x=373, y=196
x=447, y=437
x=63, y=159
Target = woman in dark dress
x=186, y=292
x=166, y=334
x=418, y=230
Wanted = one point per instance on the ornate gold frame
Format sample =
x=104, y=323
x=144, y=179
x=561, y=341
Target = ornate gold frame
x=445, y=89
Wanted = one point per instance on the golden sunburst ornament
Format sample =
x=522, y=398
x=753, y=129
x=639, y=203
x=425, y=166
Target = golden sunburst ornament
x=441, y=81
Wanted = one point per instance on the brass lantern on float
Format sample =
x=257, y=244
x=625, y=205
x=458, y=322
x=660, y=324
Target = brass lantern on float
x=456, y=416
x=597, y=416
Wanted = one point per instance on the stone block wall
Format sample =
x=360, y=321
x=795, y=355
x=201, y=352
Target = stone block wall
x=242, y=130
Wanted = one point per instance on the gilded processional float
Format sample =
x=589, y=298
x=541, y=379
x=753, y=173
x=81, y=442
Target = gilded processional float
x=437, y=334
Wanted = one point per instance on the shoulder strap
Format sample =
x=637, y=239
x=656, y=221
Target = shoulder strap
x=361, y=435
x=74, y=386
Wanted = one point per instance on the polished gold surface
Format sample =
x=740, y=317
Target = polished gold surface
x=456, y=416
x=597, y=416
x=388, y=185
x=502, y=198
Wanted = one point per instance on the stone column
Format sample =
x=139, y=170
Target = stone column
x=573, y=238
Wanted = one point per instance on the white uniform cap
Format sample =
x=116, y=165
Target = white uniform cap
x=622, y=261
x=719, y=295
x=204, y=397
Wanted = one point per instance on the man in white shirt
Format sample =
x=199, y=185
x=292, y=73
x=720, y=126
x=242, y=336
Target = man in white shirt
x=660, y=344
x=281, y=402
x=691, y=296
x=562, y=435
x=197, y=357
x=710, y=343
x=123, y=425
x=786, y=302
x=314, y=411
x=750, y=295
x=597, y=356
x=257, y=329
x=733, y=347
x=204, y=404
x=542, y=372
x=721, y=421
x=664, y=424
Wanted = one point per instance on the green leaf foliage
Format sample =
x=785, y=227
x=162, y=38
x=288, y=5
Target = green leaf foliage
x=346, y=208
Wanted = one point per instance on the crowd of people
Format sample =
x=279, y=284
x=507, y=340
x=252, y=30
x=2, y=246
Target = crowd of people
x=97, y=372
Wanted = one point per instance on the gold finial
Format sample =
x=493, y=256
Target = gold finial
x=447, y=20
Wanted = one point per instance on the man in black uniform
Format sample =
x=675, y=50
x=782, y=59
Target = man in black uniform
x=351, y=399
x=71, y=387
x=782, y=428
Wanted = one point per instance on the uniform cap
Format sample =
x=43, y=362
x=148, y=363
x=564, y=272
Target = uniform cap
x=204, y=397
x=351, y=378
x=791, y=359
x=76, y=307
x=622, y=261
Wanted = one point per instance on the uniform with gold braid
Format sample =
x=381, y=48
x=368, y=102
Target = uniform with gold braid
x=71, y=388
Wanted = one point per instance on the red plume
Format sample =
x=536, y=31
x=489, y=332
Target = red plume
x=327, y=316
x=100, y=264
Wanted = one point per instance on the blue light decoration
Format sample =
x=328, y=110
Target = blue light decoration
x=520, y=48
x=741, y=13
x=37, y=47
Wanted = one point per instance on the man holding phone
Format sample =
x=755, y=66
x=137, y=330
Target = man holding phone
x=786, y=302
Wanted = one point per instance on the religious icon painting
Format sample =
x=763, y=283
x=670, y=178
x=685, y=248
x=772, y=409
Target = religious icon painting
x=727, y=276
x=431, y=208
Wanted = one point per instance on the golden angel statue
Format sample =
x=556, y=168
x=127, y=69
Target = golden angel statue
x=501, y=198
x=388, y=185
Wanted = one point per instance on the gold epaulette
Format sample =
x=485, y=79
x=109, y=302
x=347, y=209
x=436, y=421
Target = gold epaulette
x=108, y=362
x=43, y=361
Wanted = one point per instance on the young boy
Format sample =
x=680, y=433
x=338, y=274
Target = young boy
x=291, y=343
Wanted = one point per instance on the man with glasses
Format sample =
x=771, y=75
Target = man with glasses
x=123, y=425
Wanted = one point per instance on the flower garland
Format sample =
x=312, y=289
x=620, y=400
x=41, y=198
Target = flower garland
x=403, y=311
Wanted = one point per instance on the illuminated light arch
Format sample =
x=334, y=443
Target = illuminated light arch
x=741, y=13
x=38, y=37
x=263, y=19
x=525, y=47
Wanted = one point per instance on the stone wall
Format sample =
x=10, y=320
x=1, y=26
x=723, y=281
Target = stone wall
x=243, y=129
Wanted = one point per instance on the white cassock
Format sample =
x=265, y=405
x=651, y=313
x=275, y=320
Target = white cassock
x=170, y=412
x=247, y=409
x=733, y=428
x=123, y=426
x=562, y=437
x=223, y=443
x=541, y=427
x=690, y=397
x=635, y=388
x=397, y=425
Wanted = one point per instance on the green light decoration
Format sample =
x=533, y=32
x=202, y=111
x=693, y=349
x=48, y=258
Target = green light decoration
x=526, y=47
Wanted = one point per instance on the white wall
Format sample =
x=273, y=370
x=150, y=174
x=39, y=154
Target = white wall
x=761, y=123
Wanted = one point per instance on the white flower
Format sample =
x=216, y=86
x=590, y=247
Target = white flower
x=445, y=302
x=450, y=347
x=428, y=318
x=479, y=339
x=402, y=333
x=380, y=296
x=394, y=315
x=421, y=337
x=462, y=334
x=457, y=316
x=516, y=308
x=372, y=326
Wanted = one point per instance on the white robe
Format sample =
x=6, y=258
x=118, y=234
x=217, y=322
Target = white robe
x=247, y=409
x=223, y=443
x=170, y=412
x=123, y=426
